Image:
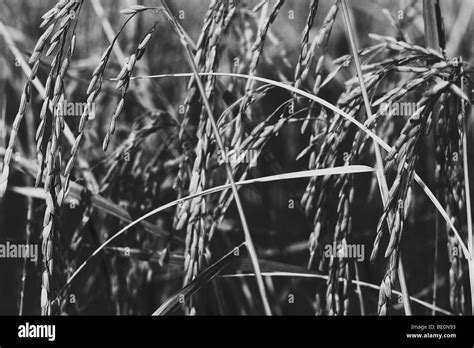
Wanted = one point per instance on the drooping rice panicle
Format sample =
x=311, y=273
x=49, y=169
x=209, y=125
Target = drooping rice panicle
x=257, y=49
x=303, y=59
x=197, y=226
x=189, y=104
x=320, y=43
x=123, y=81
x=450, y=174
x=402, y=159
x=93, y=91
x=51, y=17
x=65, y=21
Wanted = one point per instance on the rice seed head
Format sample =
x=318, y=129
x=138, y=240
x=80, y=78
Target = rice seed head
x=304, y=58
x=133, y=10
x=144, y=42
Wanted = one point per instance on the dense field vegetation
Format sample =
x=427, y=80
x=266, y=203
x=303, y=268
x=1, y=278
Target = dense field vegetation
x=236, y=157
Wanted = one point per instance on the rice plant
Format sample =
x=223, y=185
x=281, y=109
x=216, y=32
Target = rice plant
x=236, y=157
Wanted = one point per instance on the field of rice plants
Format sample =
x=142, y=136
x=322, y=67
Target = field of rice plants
x=236, y=157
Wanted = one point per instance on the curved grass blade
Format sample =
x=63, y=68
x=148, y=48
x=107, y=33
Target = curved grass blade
x=202, y=279
x=364, y=128
x=302, y=174
x=210, y=117
x=284, y=270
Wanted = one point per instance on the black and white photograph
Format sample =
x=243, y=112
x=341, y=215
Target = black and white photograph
x=236, y=160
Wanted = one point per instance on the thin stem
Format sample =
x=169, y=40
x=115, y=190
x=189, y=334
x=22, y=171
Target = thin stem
x=365, y=96
x=30, y=126
x=359, y=290
x=435, y=276
x=380, y=167
x=29, y=220
x=467, y=189
x=325, y=277
x=403, y=287
x=109, y=32
x=238, y=203
x=433, y=26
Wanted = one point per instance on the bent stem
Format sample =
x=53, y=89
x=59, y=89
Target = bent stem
x=382, y=180
x=325, y=277
x=238, y=203
x=348, y=117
